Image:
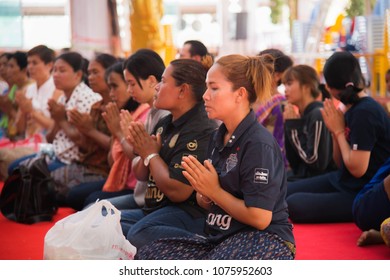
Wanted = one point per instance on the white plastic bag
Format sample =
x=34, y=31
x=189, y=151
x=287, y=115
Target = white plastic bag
x=94, y=233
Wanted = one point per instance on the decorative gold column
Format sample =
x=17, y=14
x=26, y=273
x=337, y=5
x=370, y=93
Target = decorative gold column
x=146, y=31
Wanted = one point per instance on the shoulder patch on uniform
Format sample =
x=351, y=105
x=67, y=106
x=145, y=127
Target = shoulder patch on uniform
x=261, y=175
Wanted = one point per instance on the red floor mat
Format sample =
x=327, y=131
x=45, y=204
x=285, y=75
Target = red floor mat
x=314, y=241
x=334, y=242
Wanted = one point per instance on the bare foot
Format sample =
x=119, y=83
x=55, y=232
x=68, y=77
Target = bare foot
x=370, y=237
x=385, y=231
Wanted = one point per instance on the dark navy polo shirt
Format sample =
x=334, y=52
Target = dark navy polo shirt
x=250, y=167
x=367, y=128
x=188, y=135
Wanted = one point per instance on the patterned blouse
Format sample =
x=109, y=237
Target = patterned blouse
x=81, y=99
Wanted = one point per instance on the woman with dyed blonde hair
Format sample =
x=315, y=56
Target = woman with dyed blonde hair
x=242, y=184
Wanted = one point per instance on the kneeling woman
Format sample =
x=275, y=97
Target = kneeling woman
x=243, y=182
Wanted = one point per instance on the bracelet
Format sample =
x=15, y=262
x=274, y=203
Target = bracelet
x=336, y=134
x=205, y=199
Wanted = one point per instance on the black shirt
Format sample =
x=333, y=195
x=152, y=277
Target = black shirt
x=188, y=135
x=367, y=128
x=251, y=168
x=308, y=143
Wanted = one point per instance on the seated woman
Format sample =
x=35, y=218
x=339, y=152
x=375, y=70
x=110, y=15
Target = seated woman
x=32, y=104
x=308, y=142
x=3, y=89
x=170, y=205
x=3, y=77
x=67, y=142
x=371, y=208
x=88, y=174
x=118, y=181
x=269, y=113
x=242, y=185
x=134, y=84
x=12, y=121
x=361, y=140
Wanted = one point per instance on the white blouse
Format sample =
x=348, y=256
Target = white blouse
x=40, y=96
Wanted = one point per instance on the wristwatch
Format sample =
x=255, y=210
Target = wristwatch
x=149, y=157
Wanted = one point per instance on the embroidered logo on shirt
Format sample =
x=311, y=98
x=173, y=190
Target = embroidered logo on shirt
x=219, y=220
x=261, y=176
x=173, y=140
x=192, y=146
x=231, y=162
x=160, y=130
x=178, y=165
x=154, y=193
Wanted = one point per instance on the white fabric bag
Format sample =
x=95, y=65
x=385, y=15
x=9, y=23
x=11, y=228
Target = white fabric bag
x=94, y=233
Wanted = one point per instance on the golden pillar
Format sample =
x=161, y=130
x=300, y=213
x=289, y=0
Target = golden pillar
x=146, y=31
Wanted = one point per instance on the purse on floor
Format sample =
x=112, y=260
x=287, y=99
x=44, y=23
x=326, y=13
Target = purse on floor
x=28, y=195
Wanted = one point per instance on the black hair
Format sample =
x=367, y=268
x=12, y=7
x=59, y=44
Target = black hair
x=151, y=53
x=77, y=62
x=342, y=72
x=144, y=63
x=20, y=58
x=46, y=54
x=116, y=68
x=325, y=92
x=191, y=72
x=131, y=105
x=6, y=54
x=197, y=48
x=281, y=60
x=105, y=59
x=74, y=59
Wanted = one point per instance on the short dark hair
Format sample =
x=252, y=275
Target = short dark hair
x=197, y=48
x=46, y=54
x=21, y=59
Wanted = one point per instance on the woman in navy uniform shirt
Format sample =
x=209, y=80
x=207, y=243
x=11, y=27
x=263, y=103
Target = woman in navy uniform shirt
x=243, y=182
x=170, y=205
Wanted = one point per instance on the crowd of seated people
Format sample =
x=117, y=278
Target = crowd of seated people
x=202, y=155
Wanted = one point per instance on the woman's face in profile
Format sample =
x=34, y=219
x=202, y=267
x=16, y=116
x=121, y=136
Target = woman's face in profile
x=167, y=92
x=96, y=77
x=118, y=89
